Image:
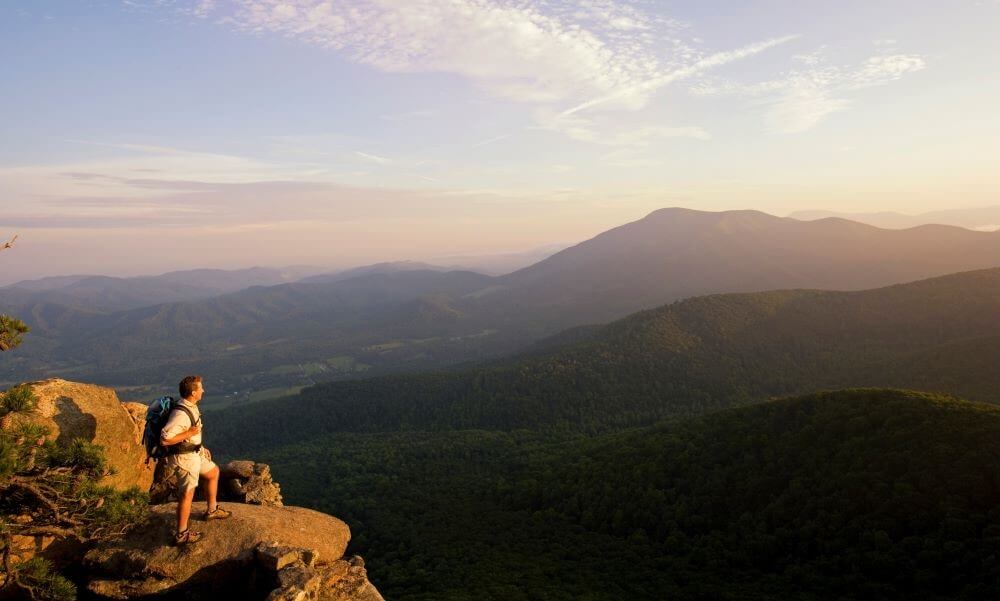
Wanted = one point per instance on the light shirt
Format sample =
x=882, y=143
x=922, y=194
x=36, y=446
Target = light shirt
x=179, y=422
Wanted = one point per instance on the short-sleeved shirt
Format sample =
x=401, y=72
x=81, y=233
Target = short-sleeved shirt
x=191, y=465
x=179, y=422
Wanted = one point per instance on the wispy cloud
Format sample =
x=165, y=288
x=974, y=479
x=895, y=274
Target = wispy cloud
x=489, y=141
x=598, y=53
x=586, y=130
x=374, y=158
x=637, y=94
x=551, y=51
x=801, y=98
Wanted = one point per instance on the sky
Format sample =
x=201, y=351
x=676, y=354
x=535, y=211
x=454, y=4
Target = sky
x=138, y=137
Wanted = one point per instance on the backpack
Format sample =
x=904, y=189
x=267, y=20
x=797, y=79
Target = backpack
x=157, y=415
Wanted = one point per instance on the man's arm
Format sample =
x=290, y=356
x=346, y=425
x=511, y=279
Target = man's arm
x=184, y=435
x=178, y=428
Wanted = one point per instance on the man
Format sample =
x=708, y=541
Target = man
x=181, y=436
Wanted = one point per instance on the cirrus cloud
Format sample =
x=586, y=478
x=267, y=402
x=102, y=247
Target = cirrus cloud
x=801, y=98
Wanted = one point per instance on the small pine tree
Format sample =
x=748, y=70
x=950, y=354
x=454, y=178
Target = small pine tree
x=11, y=330
x=19, y=398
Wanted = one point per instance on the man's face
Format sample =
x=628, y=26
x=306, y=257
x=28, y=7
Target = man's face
x=199, y=390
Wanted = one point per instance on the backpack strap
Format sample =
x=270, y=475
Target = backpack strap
x=189, y=414
x=185, y=446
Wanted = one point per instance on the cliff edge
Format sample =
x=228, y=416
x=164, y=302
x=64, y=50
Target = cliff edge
x=264, y=551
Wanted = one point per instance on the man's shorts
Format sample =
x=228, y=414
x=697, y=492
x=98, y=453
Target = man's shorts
x=188, y=467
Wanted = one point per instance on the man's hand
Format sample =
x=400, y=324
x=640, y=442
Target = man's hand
x=181, y=437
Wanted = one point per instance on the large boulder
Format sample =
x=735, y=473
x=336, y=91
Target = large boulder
x=249, y=482
x=94, y=413
x=145, y=563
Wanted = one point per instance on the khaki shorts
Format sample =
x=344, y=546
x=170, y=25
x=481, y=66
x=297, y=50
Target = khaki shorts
x=188, y=467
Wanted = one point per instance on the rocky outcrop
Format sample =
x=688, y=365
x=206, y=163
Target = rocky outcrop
x=249, y=482
x=264, y=551
x=300, y=575
x=73, y=410
x=136, y=411
x=256, y=554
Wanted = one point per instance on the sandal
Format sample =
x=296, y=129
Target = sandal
x=217, y=514
x=185, y=537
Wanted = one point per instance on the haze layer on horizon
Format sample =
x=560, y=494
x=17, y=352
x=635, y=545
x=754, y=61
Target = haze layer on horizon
x=146, y=136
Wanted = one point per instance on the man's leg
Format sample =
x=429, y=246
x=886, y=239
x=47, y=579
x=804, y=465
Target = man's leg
x=184, y=509
x=210, y=472
x=211, y=487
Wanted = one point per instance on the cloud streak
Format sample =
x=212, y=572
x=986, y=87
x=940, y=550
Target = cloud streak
x=599, y=52
x=801, y=98
x=547, y=56
x=638, y=93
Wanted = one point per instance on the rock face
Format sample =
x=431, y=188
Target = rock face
x=73, y=410
x=222, y=563
x=249, y=482
x=264, y=551
x=301, y=576
x=137, y=411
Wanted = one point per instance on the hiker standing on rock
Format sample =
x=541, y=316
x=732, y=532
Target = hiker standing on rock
x=181, y=436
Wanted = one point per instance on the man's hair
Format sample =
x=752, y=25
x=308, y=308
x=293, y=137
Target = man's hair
x=187, y=386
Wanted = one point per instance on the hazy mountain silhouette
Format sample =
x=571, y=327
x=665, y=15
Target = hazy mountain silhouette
x=503, y=263
x=108, y=294
x=433, y=318
x=386, y=267
x=678, y=253
x=981, y=218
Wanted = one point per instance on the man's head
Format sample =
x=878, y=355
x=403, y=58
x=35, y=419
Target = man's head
x=191, y=388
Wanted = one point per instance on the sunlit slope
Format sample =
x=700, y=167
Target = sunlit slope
x=677, y=253
x=693, y=356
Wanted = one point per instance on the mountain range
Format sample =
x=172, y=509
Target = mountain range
x=649, y=458
x=981, y=218
x=656, y=456
x=689, y=357
x=390, y=318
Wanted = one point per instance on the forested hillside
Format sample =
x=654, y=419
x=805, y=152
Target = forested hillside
x=691, y=357
x=860, y=494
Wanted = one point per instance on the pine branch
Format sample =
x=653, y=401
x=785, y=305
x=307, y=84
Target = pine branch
x=34, y=490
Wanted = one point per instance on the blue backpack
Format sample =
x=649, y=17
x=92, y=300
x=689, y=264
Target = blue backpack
x=157, y=416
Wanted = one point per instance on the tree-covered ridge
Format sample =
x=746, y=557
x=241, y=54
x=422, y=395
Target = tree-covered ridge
x=689, y=357
x=857, y=494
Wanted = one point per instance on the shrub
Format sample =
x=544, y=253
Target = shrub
x=41, y=583
x=11, y=330
x=79, y=454
x=19, y=398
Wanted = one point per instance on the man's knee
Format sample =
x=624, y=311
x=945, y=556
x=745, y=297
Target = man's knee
x=212, y=474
